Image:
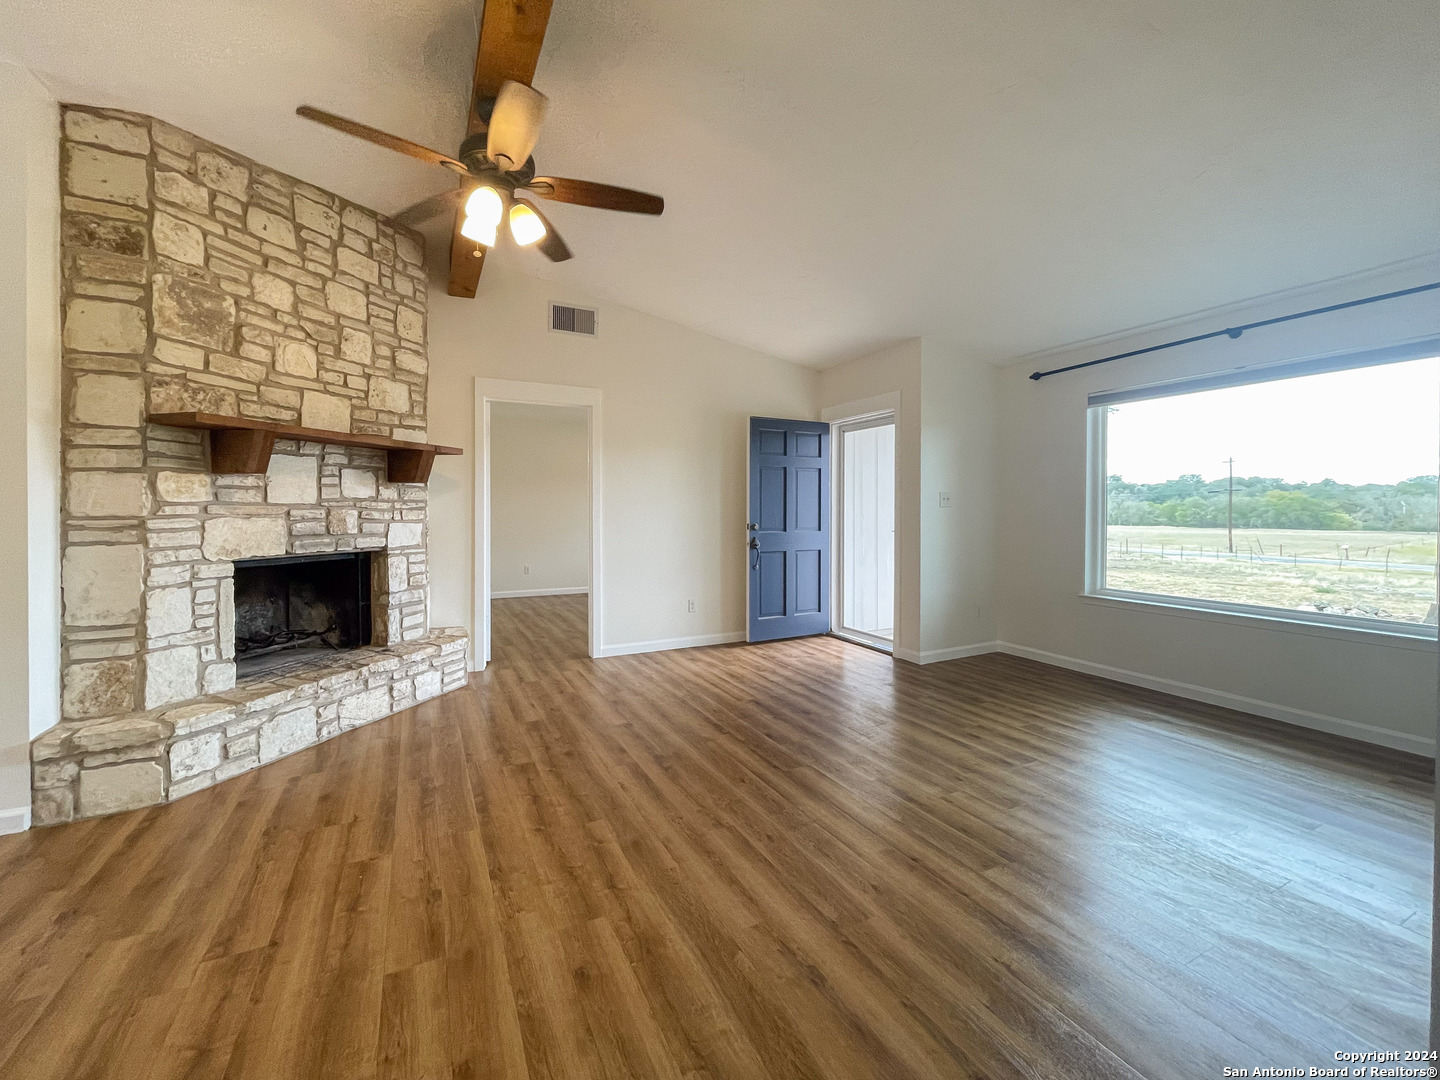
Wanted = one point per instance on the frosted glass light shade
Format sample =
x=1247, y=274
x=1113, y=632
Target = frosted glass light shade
x=479, y=231
x=483, y=211
x=525, y=225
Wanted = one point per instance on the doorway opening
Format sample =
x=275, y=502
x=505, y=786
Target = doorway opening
x=539, y=532
x=864, y=452
x=537, y=509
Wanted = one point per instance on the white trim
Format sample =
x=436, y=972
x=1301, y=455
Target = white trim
x=836, y=416
x=630, y=648
x=865, y=423
x=838, y=430
x=1097, y=551
x=855, y=410
x=511, y=594
x=1417, y=637
x=861, y=408
x=937, y=656
x=1334, y=725
x=488, y=391
x=1097, y=495
x=14, y=820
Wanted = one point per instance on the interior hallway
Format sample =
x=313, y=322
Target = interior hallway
x=793, y=860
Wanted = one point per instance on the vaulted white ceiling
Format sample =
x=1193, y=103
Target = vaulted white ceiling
x=1004, y=175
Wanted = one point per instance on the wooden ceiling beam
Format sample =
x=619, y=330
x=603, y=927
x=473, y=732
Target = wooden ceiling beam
x=512, y=33
x=467, y=259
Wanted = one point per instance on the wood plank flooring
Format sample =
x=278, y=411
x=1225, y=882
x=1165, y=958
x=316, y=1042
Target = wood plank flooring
x=793, y=860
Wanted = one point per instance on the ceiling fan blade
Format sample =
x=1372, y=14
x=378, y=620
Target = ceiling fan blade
x=515, y=124
x=551, y=246
x=511, y=33
x=379, y=138
x=588, y=193
x=426, y=209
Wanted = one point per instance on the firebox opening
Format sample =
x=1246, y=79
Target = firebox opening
x=295, y=602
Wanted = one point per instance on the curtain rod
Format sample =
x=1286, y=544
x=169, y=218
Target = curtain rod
x=1236, y=331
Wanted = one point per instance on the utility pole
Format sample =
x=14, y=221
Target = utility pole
x=1230, y=508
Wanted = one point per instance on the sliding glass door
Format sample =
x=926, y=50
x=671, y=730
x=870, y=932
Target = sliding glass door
x=866, y=551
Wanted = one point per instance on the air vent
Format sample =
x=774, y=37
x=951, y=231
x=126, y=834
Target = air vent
x=572, y=320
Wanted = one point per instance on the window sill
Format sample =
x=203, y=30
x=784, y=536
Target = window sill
x=1421, y=639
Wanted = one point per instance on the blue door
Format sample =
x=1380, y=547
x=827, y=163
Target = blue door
x=789, y=528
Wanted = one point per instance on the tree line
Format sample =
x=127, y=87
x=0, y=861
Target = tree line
x=1263, y=502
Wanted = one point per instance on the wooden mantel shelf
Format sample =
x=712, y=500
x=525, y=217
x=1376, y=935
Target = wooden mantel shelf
x=238, y=445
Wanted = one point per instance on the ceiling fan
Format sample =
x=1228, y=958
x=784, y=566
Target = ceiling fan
x=495, y=159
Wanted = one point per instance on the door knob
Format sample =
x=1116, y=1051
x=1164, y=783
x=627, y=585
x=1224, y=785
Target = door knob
x=753, y=527
x=754, y=543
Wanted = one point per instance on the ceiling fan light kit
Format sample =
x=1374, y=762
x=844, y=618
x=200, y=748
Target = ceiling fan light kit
x=483, y=211
x=495, y=157
x=475, y=229
x=525, y=225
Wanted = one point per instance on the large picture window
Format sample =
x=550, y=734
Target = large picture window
x=1302, y=492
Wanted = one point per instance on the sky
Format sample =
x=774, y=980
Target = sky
x=1375, y=425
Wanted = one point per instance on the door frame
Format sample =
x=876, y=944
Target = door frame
x=487, y=392
x=838, y=416
x=751, y=585
x=838, y=430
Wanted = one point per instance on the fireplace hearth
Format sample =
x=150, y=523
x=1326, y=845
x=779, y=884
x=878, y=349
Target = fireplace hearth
x=289, y=605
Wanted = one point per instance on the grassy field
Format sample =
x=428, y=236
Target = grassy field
x=1341, y=573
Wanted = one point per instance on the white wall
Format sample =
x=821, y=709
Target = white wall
x=1004, y=562
x=945, y=441
x=539, y=499
x=675, y=428
x=895, y=370
x=958, y=455
x=1365, y=686
x=29, y=429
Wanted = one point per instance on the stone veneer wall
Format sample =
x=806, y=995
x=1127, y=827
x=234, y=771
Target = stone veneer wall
x=195, y=279
x=89, y=768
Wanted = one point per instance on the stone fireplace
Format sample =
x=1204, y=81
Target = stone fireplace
x=195, y=280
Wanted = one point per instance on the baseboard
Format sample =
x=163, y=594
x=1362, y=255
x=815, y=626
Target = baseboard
x=935, y=656
x=15, y=819
x=630, y=648
x=512, y=593
x=1334, y=725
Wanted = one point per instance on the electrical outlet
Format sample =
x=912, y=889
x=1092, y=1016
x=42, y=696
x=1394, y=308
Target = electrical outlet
x=690, y=607
x=527, y=569
x=944, y=498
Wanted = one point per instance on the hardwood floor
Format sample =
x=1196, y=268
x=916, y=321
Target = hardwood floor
x=791, y=860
